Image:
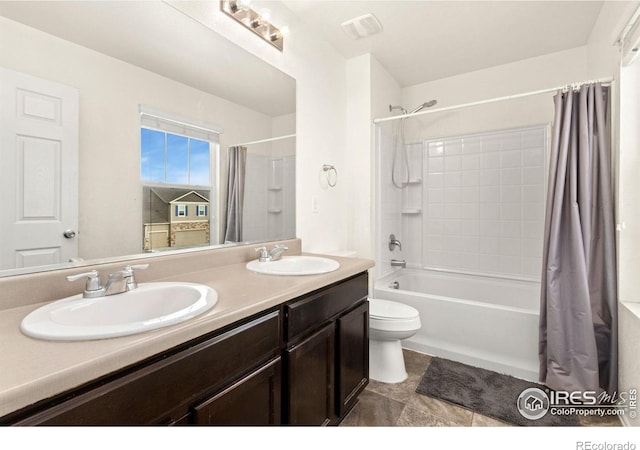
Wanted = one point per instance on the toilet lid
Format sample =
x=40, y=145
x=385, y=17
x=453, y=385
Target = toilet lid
x=385, y=309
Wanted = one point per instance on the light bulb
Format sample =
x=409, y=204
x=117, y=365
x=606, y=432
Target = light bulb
x=285, y=30
x=265, y=13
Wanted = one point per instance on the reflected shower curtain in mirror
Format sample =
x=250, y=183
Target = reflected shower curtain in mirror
x=235, y=194
x=578, y=311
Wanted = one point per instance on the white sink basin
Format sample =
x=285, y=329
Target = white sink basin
x=150, y=306
x=295, y=265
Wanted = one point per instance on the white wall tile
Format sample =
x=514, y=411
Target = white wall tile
x=472, y=145
x=470, y=177
x=453, y=147
x=510, y=158
x=489, y=194
x=510, y=141
x=490, y=143
x=511, y=176
x=489, y=177
x=470, y=161
x=469, y=194
x=510, y=194
x=533, y=156
x=435, y=195
x=451, y=163
x=490, y=211
x=452, y=179
x=511, y=211
x=482, y=200
x=435, y=164
x=490, y=160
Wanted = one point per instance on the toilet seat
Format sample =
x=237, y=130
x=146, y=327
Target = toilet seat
x=388, y=310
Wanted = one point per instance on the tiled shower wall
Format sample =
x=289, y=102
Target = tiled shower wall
x=475, y=203
x=484, y=202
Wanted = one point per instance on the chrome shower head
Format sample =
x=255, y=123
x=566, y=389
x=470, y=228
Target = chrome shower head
x=428, y=104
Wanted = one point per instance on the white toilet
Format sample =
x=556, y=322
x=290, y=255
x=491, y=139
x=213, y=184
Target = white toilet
x=389, y=323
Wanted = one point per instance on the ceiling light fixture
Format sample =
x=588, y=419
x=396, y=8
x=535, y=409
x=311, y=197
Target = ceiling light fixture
x=258, y=23
x=362, y=26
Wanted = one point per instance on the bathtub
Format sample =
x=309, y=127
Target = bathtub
x=486, y=322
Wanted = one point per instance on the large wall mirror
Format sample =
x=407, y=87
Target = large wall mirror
x=117, y=120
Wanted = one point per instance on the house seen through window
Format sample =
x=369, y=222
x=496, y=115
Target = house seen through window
x=176, y=169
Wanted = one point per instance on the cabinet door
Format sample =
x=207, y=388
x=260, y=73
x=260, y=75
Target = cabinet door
x=311, y=379
x=253, y=400
x=352, y=343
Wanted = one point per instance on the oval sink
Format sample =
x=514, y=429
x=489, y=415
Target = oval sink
x=294, y=265
x=150, y=306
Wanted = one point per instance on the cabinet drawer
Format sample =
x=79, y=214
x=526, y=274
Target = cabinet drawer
x=252, y=400
x=150, y=393
x=308, y=313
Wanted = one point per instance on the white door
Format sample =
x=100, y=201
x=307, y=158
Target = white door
x=38, y=171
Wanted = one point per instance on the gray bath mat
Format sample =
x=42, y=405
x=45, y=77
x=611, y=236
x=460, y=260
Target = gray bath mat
x=483, y=391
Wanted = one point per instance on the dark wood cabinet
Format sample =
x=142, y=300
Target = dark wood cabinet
x=311, y=375
x=303, y=363
x=163, y=391
x=352, y=336
x=253, y=400
x=328, y=353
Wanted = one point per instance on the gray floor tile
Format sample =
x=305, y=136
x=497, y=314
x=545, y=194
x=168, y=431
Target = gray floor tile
x=480, y=420
x=373, y=410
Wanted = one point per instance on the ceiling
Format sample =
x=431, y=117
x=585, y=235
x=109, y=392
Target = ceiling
x=426, y=40
x=163, y=40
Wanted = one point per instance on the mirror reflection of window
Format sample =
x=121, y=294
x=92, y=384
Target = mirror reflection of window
x=177, y=170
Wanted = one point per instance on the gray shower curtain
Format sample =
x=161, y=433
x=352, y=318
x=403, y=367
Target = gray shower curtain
x=235, y=193
x=578, y=317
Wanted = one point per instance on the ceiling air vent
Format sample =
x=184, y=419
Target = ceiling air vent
x=362, y=26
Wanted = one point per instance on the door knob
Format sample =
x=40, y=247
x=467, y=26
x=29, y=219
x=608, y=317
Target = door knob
x=69, y=234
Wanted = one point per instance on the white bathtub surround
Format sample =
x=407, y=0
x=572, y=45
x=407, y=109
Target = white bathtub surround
x=482, y=321
x=389, y=323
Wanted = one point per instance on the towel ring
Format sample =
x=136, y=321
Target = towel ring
x=328, y=169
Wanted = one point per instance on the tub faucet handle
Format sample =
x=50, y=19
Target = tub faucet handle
x=393, y=242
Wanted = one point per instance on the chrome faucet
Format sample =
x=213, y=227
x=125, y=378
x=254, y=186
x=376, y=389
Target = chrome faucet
x=398, y=263
x=393, y=242
x=271, y=255
x=117, y=282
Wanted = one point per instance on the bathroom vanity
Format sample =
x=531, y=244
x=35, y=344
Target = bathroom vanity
x=302, y=360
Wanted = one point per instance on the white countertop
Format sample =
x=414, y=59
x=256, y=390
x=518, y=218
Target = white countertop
x=33, y=370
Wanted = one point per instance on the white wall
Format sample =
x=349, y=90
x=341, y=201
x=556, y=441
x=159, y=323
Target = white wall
x=321, y=93
x=358, y=156
x=531, y=74
x=110, y=93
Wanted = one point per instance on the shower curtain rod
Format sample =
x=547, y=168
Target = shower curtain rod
x=263, y=141
x=491, y=100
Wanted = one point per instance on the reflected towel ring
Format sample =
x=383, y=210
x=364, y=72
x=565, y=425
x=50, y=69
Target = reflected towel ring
x=328, y=169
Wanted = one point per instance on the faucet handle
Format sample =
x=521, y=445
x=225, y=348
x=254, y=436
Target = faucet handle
x=93, y=280
x=128, y=269
x=132, y=267
x=264, y=254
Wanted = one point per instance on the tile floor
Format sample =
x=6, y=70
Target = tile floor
x=383, y=404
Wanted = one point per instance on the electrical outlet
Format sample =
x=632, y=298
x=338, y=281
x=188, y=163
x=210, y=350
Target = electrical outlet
x=315, y=207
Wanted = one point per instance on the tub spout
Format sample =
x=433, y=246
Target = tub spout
x=398, y=263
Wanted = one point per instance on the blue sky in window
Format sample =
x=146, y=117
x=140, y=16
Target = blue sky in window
x=174, y=159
